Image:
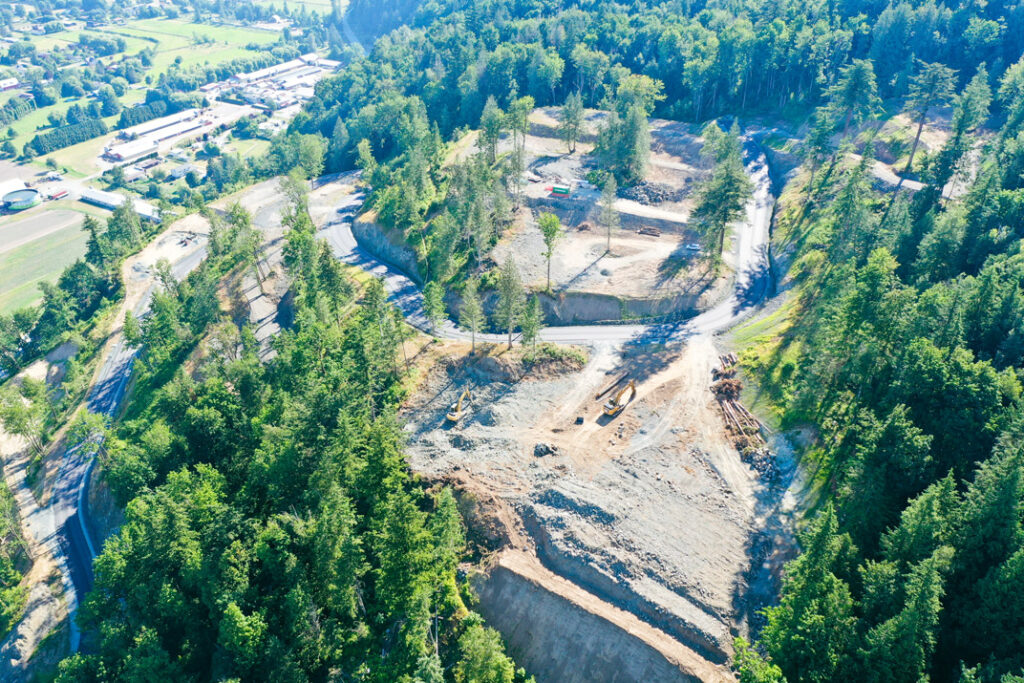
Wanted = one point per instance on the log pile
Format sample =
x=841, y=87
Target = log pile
x=749, y=430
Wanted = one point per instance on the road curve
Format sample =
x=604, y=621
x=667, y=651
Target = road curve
x=751, y=250
x=66, y=514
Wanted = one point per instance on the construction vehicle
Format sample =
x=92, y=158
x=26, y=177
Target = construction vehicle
x=455, y=412
x=615, y=405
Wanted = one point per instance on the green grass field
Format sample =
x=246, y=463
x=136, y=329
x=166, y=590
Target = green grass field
x=22, y=269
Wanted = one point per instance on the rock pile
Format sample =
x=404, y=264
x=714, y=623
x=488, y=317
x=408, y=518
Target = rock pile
x=655, y=193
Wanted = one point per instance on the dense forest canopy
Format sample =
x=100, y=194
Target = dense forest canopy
x=273, y=530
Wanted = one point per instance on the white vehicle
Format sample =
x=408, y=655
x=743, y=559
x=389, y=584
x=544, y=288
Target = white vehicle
x=692, y=246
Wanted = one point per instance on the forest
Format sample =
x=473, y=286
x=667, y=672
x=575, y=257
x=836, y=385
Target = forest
x=273, y=530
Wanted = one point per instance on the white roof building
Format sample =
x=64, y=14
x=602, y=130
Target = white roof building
x=112, y=200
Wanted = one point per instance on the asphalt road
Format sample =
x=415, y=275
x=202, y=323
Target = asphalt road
x=64, y=517
x=751, y=244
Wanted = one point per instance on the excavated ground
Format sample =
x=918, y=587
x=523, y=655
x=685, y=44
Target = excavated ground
x=640, y=266
x=651, y=512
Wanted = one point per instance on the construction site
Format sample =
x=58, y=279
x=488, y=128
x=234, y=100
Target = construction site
x=649, y=266
x=613, y=497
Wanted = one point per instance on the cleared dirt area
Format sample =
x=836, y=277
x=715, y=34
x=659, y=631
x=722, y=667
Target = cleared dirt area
x=660, y=262
x=651, y=512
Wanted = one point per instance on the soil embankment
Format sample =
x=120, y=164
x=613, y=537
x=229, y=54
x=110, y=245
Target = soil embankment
x=543, y=617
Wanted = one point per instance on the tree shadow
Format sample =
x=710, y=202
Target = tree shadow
x=677, y=263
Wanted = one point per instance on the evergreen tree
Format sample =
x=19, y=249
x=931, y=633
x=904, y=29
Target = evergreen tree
x=483, y=659
x=809, y=634
x=532, y=321
x=433, y=305
x=609, y=214
x=571, y=125
x=900, y=649
x=510, y=298
x=854, y=97
x=492, y=125
x=471, y=316
x=723, y=196
x=932, y=86
x=551, y=229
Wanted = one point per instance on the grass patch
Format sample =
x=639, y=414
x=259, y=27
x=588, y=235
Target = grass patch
x=767, y=359
x=571, y=356
x=82, y=159
x=23, y=268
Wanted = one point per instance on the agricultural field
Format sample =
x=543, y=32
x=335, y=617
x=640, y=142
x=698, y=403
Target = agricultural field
x=37, y=260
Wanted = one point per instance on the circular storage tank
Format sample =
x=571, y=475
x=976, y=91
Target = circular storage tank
x=21, y=199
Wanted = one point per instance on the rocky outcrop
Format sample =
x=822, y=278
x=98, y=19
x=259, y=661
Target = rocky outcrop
x=570, y=308
x=386, y=245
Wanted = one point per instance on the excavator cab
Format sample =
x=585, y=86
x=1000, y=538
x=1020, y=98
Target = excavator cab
x=455, y=412
x=616, y=404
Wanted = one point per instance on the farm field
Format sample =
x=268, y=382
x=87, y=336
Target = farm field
x=43, y=259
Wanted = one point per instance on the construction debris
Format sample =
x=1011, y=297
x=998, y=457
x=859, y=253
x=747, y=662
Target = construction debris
x=727, y=389
x=656, y=193
x=762, y=461
x=542, y=449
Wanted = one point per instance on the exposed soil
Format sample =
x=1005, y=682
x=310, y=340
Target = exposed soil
x=652, y=256
x=651, y=512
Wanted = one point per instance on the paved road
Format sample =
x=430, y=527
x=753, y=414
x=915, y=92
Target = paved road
x=63, y=519
x=751, y=288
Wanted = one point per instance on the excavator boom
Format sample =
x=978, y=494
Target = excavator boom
x=455, y=412
x=616, y=405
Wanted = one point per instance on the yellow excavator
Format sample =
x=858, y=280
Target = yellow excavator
x=615, y=405
x=455, y=412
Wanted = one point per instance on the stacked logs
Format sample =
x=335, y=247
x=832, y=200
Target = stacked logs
x=727, y=390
